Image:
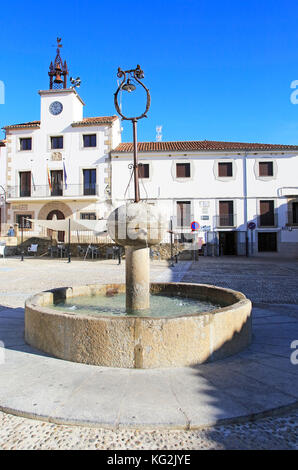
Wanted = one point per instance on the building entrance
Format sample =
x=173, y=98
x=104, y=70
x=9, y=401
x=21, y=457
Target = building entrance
x=227, y=243
x=59, y=216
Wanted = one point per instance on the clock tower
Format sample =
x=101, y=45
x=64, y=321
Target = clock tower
x=60, y=106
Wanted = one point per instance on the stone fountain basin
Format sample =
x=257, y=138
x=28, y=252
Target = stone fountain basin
x=140, y=342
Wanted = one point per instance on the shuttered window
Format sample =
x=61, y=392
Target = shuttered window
x=225, y=169
x=182, y=170
x=226, y=213
x=25, y=183
x=57, y=142
x=143, y=170
x=26, y=143
x=89, y=140
x=265, y=168
x=183, y=214
x=266, y=213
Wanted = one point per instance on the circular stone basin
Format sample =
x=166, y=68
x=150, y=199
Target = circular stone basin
x=140, y=341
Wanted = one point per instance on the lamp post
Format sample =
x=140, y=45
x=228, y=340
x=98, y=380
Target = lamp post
x=22, y=239
x=2, y=197
x=129, y=77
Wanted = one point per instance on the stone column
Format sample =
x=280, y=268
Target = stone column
x=137, y=278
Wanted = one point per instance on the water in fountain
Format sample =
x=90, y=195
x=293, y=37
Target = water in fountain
x=113, y=304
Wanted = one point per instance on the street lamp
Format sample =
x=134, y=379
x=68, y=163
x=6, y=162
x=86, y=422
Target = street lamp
x=128, y=77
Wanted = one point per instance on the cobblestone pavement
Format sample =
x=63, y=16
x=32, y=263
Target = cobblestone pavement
x=268, y=433
x=266, y=280
x=263, y=280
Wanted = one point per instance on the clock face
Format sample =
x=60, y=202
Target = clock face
x=56, y=108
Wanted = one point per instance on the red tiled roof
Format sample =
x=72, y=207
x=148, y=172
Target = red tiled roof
x=24, y=124
x=95, y=120
x=199, y=145
x=85, y=122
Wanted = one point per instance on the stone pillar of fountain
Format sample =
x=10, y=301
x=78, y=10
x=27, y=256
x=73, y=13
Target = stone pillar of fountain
x=136, y=226
x=137, y=278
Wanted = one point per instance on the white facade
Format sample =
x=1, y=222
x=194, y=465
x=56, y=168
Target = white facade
x=204, y=190
x=71, y=160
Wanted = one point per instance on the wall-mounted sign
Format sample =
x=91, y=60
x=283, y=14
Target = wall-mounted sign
x=251, y=225
x=20, y=207
x=194, y=226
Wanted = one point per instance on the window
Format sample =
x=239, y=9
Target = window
x=26, y=143
x=143, y=170
x=89, y=182
x=182, y=170
x=23, y=222
x=266, y=214
x=225, y=169
x=88, y=216
x=265, y=168
x=295, y=213
x=25, y=183
x=57, y=142
x=57, y=183
x=89, y=140
x=226, y=214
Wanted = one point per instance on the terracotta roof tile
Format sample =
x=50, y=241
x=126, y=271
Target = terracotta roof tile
x=95, y=120
x=23, y=124
x=199, y=145
x=85, y=122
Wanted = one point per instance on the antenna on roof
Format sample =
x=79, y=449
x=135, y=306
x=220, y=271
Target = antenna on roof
x=158, y=133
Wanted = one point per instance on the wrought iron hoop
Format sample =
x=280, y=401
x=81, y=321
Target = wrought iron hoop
x=137, y=75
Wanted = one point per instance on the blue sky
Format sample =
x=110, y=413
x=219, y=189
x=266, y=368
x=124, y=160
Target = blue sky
x=216, y=70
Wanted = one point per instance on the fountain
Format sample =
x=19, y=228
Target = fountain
x=186, y=324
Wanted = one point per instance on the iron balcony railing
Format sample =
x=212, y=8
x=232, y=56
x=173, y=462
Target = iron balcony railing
x=267, y=220
x=43, y=191
x=182, y=222
x=225, y=220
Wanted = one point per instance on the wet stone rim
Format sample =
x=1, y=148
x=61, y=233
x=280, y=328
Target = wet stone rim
x=140, y=342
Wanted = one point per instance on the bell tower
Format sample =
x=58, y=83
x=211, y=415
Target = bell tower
x=58, y=70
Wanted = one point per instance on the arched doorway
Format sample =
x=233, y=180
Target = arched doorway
x=59, y=216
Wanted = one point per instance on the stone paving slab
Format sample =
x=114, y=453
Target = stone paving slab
x=252, y=382
x=19, y=280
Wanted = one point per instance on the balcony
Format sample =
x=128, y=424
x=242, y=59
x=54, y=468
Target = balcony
x=267, y=220
x=57, y=191
x=183, y=223
x=225, y=220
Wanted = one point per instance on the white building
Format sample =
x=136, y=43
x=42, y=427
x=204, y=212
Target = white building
x=65, y=165
x=59, y=166
x=221, y=185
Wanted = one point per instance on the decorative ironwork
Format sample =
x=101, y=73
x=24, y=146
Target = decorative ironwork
x=129, y=79
x=58, y=70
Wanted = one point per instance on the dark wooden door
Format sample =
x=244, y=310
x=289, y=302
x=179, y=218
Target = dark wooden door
x=295, y=212
x=183, y=214
x=267, y=241
x=227, y=243
x=57, y=183
x=25, y=184
x=266, y=213
x=226, y=213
